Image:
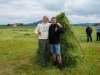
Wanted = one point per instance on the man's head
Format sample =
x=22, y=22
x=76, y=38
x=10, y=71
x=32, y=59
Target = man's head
x=88, y=25
x=45, y=19
x=53, y=20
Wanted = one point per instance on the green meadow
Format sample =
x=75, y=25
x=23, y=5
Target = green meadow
x=18, y=53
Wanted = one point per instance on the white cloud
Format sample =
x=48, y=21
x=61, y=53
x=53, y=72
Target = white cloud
x=53, y=5
x=26, y=11
x=83, y=19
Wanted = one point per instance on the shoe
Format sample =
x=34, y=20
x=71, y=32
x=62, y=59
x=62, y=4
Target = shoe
x=44, y=66
x=61, y=67
x=54, y=63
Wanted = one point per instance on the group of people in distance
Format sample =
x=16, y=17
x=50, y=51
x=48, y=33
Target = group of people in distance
x=49, y=41
x=89, y=32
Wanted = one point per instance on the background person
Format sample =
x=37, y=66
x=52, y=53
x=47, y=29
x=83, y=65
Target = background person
x=98, y=32
x=89, y=32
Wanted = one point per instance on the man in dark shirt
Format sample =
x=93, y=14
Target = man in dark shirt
x=89, y=31
x=54, y=40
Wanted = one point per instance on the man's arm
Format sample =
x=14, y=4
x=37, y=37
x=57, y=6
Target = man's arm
x=37, y=31
x=61, y=30
x=58, y=26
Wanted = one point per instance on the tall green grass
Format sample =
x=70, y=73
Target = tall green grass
x=18, y=53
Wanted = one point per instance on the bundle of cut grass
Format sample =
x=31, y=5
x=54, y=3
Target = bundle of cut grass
x=69, y=46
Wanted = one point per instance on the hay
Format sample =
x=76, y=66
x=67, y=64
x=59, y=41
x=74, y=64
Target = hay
x=69, y=46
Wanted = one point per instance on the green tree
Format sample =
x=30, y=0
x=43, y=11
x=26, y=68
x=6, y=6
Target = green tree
x=8, y=24
x=21, y=24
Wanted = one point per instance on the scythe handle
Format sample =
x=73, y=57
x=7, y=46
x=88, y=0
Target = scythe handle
x=78, y=44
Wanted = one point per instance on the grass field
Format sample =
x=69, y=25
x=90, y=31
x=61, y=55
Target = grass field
x=18, y=53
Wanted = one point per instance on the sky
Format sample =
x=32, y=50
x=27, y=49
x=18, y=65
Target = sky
x=29, y=11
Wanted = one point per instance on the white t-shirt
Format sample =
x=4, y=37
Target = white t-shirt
x=44, y=29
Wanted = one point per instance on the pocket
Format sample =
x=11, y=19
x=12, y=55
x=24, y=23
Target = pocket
x=58, y=44
x=40, y=41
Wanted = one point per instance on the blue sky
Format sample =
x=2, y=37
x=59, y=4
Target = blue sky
x=29, y=11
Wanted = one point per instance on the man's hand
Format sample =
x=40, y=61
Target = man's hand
x=59, y=25
x=39, y=32
x=56, y=29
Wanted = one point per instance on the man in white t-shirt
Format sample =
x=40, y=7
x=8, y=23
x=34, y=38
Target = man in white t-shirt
x=42, y=31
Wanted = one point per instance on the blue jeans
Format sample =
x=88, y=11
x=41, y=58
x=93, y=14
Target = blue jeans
x=55, y=49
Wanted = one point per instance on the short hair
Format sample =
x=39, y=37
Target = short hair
x=53, y=18
x=45, y=17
